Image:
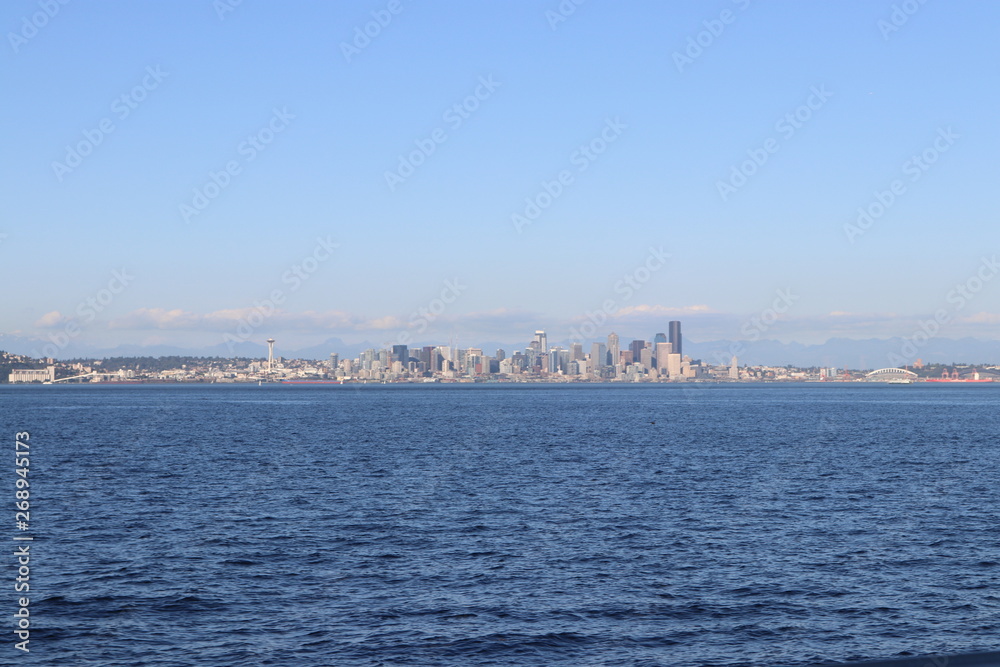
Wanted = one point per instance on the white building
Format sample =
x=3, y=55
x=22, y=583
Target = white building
x=32, y=375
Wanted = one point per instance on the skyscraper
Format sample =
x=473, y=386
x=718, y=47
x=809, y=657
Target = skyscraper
x=636, y=347
x=543, y=344
x=646, y=357
x=614, y=348
x=674, y=366
x=427, y=356
x=555, y=360
x=675, y=336
x=598, y=356
x=659, y=338
x=400, y=353
x=662, y=350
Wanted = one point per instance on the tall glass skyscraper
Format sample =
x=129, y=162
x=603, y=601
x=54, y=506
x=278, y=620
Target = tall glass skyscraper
x=675, y=336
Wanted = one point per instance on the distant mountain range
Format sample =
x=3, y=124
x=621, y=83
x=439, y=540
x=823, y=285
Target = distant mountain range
x=837, y=352
x=852, y=353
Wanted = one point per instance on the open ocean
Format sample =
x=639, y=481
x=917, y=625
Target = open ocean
x=506, y=525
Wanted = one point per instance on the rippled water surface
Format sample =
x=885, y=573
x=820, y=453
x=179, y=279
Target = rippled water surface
x=484, y=525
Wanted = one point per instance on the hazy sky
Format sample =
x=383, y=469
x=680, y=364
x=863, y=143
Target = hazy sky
x=176, y=172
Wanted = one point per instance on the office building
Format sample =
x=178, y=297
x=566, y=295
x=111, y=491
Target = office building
x=674, y=366
x=662, y=351
x=675, y=336
x=614, y=349
x=400, y=353
x=636, y=347
x=598, y=356
x=543, y=343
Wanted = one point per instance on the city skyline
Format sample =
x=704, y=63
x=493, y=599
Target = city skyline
x=640, y=361
x=200, y=178
x=645, y=349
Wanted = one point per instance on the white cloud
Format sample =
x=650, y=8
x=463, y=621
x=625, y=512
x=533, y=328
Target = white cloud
x=51, y=320
x=647, y=310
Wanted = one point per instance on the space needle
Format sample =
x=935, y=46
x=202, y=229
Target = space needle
x=270, y=354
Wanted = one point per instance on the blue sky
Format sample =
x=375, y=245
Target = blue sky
x=307, y=240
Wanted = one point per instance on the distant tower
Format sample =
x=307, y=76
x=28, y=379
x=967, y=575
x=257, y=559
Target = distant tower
x=401, y=353
x=659, y=338
x=636, y=347
x=661, y=352
x=542, y=340
x=598, y=356
x=675, y=336
x=270, y=354
x=614, y=348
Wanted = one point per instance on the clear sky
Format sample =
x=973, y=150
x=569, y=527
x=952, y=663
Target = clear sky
x=738, y=138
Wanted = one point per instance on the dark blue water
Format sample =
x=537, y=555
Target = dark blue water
x=750, y=525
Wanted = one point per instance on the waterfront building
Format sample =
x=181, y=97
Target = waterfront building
x=32, y=375
x=674, y=365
